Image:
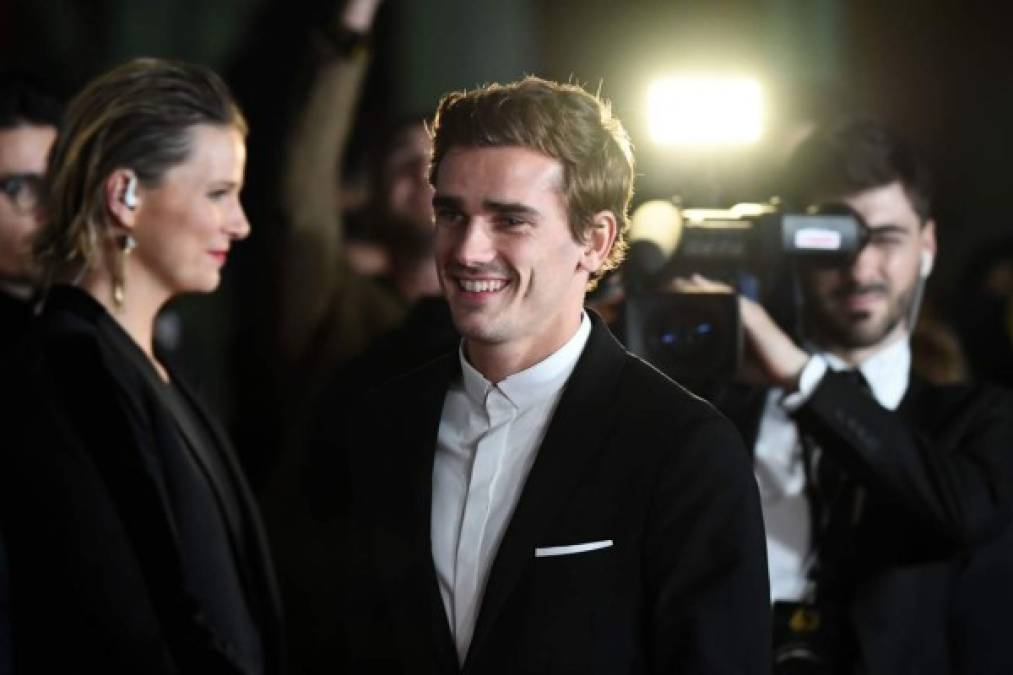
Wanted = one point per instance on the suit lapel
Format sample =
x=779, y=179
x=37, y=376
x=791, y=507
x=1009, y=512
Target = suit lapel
x=195, y=440
x=131, y=376
x=575, y=435
x=248, y=516
x=66, y=306
x=405, y=560
x=183, y=423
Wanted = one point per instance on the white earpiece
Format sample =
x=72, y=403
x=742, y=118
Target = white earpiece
x=926, y=264
x=130, y=194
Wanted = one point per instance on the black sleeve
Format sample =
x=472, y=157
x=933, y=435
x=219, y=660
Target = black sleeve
x=706, y=561
x=79, y=595
x=946, y=465
x=94, y=570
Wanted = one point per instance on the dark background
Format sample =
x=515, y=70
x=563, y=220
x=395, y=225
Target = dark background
x=938, y=71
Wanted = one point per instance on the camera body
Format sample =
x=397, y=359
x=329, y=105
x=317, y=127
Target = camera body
x=754, y=248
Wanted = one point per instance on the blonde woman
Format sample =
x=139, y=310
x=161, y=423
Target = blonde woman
x=134, y=543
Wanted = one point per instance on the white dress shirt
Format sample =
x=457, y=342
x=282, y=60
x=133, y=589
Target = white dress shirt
x=488, y=439
x=779, y=467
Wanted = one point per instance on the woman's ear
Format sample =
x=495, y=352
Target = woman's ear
x=598, y=243
x=121, y=196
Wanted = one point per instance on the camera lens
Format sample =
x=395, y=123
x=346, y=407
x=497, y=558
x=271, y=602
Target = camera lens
x=687, y=336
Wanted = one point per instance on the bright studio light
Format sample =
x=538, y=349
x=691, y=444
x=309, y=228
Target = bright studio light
x=705, y=110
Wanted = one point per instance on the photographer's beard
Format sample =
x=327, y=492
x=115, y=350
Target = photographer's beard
x=848, y=316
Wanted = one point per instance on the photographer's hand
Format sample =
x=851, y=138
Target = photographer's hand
x=772, y=358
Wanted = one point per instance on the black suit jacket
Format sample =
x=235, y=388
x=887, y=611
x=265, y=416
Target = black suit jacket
x=930, y=498
x=96, y=572
x=628, y=456
x=14, y=315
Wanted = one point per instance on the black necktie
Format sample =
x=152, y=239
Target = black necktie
x=834, y=501
x=855, y=377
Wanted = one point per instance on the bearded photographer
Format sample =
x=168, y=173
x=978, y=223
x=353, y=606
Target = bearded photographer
x=879, y=490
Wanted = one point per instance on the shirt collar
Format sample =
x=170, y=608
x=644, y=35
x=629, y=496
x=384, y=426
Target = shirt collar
x=535, y=383
x=887, y=371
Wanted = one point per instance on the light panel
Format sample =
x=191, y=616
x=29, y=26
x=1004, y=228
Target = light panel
x=694, y=110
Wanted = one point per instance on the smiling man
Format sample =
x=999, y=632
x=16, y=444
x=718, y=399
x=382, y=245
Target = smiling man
x=541, y=501
x=510, y=266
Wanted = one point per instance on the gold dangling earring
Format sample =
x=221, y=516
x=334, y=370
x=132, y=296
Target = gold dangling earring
x=127, y=245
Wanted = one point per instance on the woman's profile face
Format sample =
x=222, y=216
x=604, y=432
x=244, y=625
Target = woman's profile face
x=186, y=224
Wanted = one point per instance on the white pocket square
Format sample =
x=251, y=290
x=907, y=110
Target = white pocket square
x=550, y=551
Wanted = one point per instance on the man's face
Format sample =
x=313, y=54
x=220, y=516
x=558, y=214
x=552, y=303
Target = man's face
x=23, y=153
x=866, y=303
x=506, y=258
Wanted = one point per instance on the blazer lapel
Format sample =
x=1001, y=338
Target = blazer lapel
x=404, y=561
x=195, y=440
x=576, y=433
x=132, y=377
x=255, y=540
x=150, y=380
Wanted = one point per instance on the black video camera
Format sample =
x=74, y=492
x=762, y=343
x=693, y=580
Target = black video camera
x=751, y=247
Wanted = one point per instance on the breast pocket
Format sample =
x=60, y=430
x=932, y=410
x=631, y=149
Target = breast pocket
x=572, y=549
x=578, y=609
x=572, y=577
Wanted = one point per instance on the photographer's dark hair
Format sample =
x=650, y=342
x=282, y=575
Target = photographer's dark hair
x=25, y=101
x=853, y=155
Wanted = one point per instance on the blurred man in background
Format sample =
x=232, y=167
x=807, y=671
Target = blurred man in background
x=28, y=121
x=877, y=487
x=330, y=310
x=358, y=302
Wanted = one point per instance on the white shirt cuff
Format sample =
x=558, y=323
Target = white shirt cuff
x=810, y=377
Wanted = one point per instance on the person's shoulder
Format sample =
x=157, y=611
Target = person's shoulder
x=65, y=385
x=422, y=388
x=14, y=315
x=943, y=401
x=651, y=389
x=421, y=380
x=59, y=339
x=70, y=342
x=72, y=353
x=667, y=416
x=678, y=435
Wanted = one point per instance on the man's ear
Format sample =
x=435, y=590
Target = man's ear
x=598, y=241
x=122, y=198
